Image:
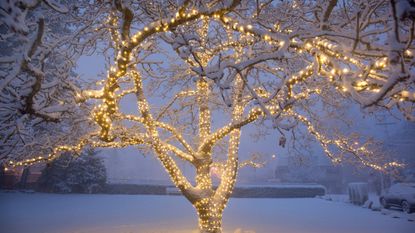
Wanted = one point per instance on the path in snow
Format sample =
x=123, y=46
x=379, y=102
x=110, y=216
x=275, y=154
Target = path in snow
x=51, y=213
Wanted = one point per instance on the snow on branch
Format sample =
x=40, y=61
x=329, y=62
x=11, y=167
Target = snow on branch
x=240, y=61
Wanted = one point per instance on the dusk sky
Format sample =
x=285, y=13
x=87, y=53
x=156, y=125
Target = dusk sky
x=207, y=116
x=129, y=165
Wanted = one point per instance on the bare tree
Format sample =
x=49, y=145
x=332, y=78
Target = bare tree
x=289, y=64
x=39, y=49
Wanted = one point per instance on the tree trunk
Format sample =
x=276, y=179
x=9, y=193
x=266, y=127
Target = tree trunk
x=210, y=216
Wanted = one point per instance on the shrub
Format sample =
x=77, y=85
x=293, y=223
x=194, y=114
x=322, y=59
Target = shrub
x=84, y=174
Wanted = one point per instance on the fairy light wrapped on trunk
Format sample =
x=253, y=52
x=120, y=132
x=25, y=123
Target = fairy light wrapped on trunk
x=263, y=66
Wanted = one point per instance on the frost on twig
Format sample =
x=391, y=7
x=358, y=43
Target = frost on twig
x=288, y=66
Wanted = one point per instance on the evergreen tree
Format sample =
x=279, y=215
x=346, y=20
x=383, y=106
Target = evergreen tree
x=85, y=174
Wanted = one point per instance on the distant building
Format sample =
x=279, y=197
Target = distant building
x=309, y=169
x=21, y=178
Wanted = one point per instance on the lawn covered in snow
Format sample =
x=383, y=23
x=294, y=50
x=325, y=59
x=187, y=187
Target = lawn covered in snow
x=53, y=213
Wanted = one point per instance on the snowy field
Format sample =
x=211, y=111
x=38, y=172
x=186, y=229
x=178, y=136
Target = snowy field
x=51, y=213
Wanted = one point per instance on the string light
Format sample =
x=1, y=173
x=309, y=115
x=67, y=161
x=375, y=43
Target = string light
x=330, y=62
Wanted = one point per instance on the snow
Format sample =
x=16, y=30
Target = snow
x=280, y=186
x=402, y=190
x=404, y=9
x=52, y=213
x=56, y=6
x=373, y=204
x=358, y=192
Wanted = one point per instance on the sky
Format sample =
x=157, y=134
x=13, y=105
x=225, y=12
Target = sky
x=130, y=166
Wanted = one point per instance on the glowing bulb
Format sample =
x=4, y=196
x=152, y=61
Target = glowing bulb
x=323, y=58
x=362, y=83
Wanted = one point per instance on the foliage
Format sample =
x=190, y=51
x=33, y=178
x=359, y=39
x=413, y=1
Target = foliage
x=85, y=174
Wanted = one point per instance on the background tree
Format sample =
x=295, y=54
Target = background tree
x=85, y=174
x=288, y=65
x=39, y=49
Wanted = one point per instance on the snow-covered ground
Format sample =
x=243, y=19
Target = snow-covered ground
x=51, y=213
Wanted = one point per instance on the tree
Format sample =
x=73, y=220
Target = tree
x=288, y=65
x=37, y=83
x=66, y=174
